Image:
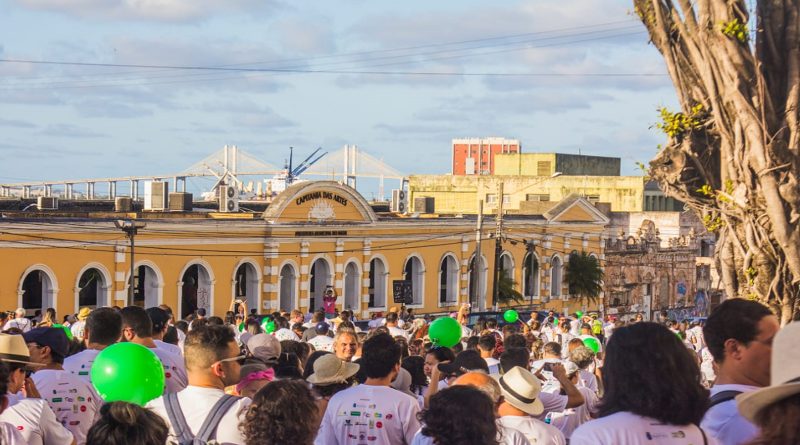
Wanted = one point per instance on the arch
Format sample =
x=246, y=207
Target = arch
x=148, y=288
x=287, y=286
x=352, y=286
x=38, y=288
x=196, y=288
x=378, y=281
x=507, y=265
x=95, y=289
x=320, y=275
x=449, y=274
x=246, y=283
x=556, y=276
x=414, y=271
x=530, y=275
x=481, y=273
x=291, y=200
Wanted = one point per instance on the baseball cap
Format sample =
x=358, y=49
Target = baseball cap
x=159, y=317
x=322, y=328
x=55, y=338
x=264, y=347
x=466, y=361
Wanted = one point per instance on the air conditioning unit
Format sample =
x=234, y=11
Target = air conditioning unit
x=228, y=199
x=180, y=202
x=424, y=204
x=156, y=195
x=123, y=204
x=399, y=201
x=47, y=203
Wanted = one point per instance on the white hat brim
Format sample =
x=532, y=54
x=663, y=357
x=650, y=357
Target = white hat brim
x=534, y=408
x=347, y=371
x=751, y=403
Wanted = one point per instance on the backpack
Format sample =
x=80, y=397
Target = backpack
x=209, y=427
x=722, y=397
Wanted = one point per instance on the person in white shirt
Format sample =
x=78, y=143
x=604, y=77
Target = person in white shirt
x=322, y=342
x=487, y=343
x=160, y=319
x=74, y=400
x=213, y=362
x=392, y=323
x=103, y=329
x=653, y=393
x=464, y=414
x=520, y=391
x=138, y=328
x=373, y=412
x=376, y=321
x=584, y=358
x=77, y=328
x=570, y=419
x=543, y=367
x=19, y=321
x=739, y=335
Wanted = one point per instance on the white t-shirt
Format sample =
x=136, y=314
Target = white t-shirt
x=286, y=334
x=169, y=347
x=553, y=403
x=551, y=384
x=626, y=428
x=77, y=329
x=377, y=415
x=74, y=400
x=506, y=436
x=10, y=436
x=724, y=422
x=21, y=323
x=322, y=343
x=394, y=331
x=493, y=364
x=707, y=365
x=196, y=403
x=536, y=431
x=570, y=419
x=376, y=323
x=587, y=380
x=36, y=423
x=80, y=364
x=175, y=377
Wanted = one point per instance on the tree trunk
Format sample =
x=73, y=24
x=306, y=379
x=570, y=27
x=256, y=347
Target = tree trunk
x=733, y=150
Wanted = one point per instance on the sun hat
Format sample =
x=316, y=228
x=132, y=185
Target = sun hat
x=264, y=347
x=83, y=314
x=521, y=390
x=14, y=350
x=402, y=382
x=330, y=369
x=785, y=375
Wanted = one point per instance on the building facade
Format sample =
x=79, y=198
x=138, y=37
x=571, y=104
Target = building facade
x=476, y=156
x=548, y=164
x=313, y=235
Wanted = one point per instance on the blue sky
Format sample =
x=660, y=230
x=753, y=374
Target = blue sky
x=66, y=121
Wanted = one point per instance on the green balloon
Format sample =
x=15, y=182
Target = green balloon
x=128, y=372
x=579, y=314
x=241, y=327
x=445, y=332
x=511, y=316
x=592, y=343
x=555, y=322
x=66, y=330
x=268, y=326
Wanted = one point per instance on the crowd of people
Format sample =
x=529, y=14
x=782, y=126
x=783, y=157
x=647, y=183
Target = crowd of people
x=293, y=378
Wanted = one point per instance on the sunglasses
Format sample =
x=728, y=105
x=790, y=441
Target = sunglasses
x=240, y=359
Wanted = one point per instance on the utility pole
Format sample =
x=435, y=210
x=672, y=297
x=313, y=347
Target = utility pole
x=130, y=228
x=498, y=245
x=476, y=278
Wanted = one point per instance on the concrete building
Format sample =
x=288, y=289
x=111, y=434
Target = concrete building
x=547, y=164
x=476, y=156
x=312, y=235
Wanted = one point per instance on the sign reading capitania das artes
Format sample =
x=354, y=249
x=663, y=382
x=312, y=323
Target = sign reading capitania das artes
x=321, y=195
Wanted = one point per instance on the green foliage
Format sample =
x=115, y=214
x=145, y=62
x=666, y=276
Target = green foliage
x=751, y=275
x=735, y=30
x=584, y=276
x=675, y=125
x=712, y=223
x=506, y=290
x=706, y=190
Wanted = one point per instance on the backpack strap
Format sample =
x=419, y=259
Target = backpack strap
x=722, y=397
x=177, y=419
x=209, y=428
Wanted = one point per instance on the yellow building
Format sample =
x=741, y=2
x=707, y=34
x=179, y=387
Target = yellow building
x=312, y=235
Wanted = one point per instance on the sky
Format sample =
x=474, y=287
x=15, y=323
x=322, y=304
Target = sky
x=398, y=79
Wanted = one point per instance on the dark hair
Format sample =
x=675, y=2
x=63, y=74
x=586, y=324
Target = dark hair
x=283, y=412
x=288, y=366
x=515, y=341
x=230, y=318
x=442, y=353
x=472, y=342
x=171, y=336
x=122, y=422
x=104, y=325
x=491, y=323
x=515, y=356
x=460, y=415
x=137, y=319
x=182, y=325
x=216, y=321
x=5, y=373
x=300, y=349
x=415, y=365
x=734, y=318
x=205, y=345
x=309, y=368
x=552, y=348
x=403, y=343
x=159, y=317
x=391, y=317
x=379, y=355
x=649, y=372
x=253, y=327
x=487, y=342
x=778, y=422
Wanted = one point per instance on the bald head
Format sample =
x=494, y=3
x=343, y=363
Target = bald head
x=483, y=382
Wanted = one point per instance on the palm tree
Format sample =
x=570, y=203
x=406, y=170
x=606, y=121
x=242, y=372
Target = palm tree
x=506, y=292
x=584, y=276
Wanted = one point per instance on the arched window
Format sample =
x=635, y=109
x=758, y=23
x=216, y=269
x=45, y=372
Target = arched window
x=377, y=283
x=196, y=290
x=287, y=299
x=448, y=280
x=531, y=275
x=478, y=278
x=145, y=287
x=414, y=272
x=37, y=290
x=246, y=285
x=319, y=278
x=556, y=276
x=352, y=288
x=91, y=288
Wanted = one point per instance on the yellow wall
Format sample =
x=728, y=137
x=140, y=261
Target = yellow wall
x=523, y=163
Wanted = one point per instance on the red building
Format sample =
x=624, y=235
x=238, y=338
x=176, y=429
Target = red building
x=475, y=156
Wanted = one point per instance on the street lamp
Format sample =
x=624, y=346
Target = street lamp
x=130, y=228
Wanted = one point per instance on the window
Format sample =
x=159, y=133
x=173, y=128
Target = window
x=537, y=197
x=491, y=198
x=555, y=277
x=593, y=198
x=448, y=280
x=506, y=199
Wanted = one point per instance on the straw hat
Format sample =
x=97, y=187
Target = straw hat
x=14, y=350
x=83, y=314
x=785, y=378
x=330, y=369
x=521, y=390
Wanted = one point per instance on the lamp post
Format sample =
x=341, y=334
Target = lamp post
x=130, y=228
